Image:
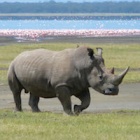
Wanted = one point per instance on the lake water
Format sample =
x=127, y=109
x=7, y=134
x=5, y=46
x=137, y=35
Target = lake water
x=69, y=24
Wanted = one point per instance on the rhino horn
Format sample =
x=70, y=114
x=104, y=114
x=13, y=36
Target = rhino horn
x=112, y=70
x=100, y=51
x=118, y=79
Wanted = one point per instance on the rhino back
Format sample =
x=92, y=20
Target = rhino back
x=32, y=64
x=43, y=69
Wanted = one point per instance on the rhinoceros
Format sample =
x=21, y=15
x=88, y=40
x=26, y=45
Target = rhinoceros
x=48, y=74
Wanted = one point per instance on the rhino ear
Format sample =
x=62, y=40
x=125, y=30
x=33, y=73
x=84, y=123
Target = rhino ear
x=99, y=51
x=90, y=52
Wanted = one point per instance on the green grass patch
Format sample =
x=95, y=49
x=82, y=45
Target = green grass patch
x=122, y=55
x=122, y=125
x=115, y=55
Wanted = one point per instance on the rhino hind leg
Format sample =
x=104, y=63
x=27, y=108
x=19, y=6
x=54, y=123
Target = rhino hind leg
x=85, y=101
x=33, y=102
x=16, y=89
x=17, y=100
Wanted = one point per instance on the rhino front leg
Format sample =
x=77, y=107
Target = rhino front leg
x=85, y=101
x=33, y=102
x=64, y=96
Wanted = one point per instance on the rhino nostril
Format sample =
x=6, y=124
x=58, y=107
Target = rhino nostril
x=110, y=89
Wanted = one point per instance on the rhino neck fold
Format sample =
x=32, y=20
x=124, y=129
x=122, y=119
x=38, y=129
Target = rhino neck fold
x=83, y=79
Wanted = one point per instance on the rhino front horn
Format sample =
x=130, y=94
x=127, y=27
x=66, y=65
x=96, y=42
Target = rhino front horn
x=118, y=79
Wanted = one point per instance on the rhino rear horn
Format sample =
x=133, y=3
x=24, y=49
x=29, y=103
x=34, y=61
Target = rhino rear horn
x=77, y=45
x=100, y=51
x=118, y=79
x=112, y=70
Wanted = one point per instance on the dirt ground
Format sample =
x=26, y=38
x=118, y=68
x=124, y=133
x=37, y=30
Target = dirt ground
x=128, y=99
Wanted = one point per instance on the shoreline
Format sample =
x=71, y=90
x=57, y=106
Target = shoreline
x=67, y=35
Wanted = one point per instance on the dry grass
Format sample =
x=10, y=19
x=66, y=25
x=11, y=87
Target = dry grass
x=122, y=125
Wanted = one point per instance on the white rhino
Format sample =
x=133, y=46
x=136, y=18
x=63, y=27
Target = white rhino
x=61, y=74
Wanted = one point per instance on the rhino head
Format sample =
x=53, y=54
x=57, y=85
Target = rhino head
x=105, y=81
x=98, y=77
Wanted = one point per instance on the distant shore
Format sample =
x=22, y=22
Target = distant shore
x=70, y=16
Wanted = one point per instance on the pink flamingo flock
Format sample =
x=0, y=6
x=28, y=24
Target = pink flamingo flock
x=36, y=34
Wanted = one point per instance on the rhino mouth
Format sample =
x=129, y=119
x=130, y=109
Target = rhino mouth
x=111, y=91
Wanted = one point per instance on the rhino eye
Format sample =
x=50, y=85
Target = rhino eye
x=100, y=77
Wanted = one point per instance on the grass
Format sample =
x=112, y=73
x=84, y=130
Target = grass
x=116, y=55
x=122, y=55
x=122, y=125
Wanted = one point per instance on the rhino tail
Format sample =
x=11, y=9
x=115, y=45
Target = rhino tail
x=13, y=81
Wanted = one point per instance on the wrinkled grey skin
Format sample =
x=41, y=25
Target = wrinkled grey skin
x=48, y=74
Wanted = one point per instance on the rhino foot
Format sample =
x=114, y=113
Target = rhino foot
x=36, y=110
x=77, y=109
x=17, y=110
x=68, y=114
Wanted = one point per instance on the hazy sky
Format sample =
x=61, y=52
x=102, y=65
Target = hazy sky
x=63, y=0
